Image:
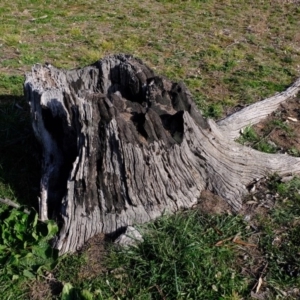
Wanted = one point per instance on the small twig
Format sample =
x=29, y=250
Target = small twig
x=235, y=239
x=10, y=203
x=221, y=242
x=160, y=292
x=13, y=204
x=260, y=281
x=49, y=276
x=40, y=18
x=19, y=106
x=240, y=242
x=218, y=231
x=232, y=44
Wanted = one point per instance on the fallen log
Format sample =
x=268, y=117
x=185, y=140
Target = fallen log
x=122, y=145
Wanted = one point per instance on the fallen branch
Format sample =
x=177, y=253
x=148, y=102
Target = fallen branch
x=13, y=204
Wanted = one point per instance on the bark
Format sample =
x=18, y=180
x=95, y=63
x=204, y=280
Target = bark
x=123, y=146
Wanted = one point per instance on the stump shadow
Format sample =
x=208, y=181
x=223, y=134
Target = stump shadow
x=19, y=152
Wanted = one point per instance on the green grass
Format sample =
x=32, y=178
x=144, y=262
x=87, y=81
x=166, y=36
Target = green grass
x=189, y=255
x=250, y=138
x=193, y=256
x=178, y=259
x=280, y=239
x=227, y=52
x=237, y=50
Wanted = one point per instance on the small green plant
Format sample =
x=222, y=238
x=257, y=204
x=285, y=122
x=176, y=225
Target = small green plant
x=248, y=135
x=213, y=111
x=24, y=247
x=250, y=138
x=70, y=293
x=294, y=151
x=265, y=146
x=282, y=125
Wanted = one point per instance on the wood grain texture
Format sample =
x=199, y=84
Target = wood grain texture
x=124, y=146
x=256, y=112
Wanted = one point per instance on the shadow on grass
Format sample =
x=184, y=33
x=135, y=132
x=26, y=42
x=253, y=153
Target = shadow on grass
x=19, y=152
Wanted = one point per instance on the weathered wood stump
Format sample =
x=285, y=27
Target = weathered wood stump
x=122, y=146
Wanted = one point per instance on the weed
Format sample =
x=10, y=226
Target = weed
x=278, y=123
x=24, y=248
x=250, y=138
x=248, y=135
x=294, y=151
x=266, y=146
x=213, y=111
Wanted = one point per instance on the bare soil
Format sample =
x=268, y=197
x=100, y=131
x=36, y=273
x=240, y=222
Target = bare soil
x=95, y=251
x=45, y=288
x=286, y=135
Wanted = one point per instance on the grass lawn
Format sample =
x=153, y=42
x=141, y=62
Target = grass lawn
x=228, y=53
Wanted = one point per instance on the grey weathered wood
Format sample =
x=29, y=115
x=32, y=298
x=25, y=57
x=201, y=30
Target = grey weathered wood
x=256, y=112
x=123, y=146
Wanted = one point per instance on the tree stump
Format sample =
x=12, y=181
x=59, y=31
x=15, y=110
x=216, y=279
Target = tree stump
x=123, y=146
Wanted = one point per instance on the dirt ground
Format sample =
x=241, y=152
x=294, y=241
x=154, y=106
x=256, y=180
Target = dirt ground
x=47, y=286
x=286, y=134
